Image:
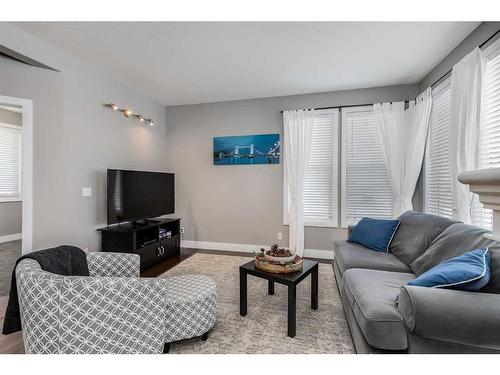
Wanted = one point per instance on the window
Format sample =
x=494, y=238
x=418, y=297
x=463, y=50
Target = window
x=437, y=187
x=490, y=130
x=10, y=163
x=321, y=186
x=366, y=188
x=438, y=199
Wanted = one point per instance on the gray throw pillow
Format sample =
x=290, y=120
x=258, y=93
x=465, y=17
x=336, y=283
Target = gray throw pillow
x=455, y=240
x=415, y=234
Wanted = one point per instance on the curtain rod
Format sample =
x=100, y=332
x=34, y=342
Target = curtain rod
x=341, y=106
x=349, y=106
x=480, y=46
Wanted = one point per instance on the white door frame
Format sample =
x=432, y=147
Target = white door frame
x=27, y=168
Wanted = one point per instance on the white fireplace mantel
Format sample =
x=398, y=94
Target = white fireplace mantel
x=486, y=184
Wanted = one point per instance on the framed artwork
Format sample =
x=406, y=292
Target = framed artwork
x=247, y=149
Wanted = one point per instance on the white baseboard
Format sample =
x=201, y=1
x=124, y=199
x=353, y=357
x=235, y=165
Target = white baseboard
x=10, y=237
x=246, y=248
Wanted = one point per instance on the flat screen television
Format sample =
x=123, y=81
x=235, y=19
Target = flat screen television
x=136, y=195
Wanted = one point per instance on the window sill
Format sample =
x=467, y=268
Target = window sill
x=8, y=200
x=320, y=224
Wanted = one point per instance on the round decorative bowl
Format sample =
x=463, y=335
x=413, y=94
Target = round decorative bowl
x=282, y=260
x=263, y=264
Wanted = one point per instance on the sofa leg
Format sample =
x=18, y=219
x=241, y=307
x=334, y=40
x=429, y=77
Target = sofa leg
x=166, y=348
x=204, y=337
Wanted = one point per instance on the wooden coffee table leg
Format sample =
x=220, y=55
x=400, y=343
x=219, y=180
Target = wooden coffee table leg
x=314, y=288
x=270, y=287
x=292, y=310
x=243, y=292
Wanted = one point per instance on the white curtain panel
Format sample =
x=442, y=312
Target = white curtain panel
x=298, y=128
x=465, y=90
x=389, y=118
x=403, y=135
x=417, y=119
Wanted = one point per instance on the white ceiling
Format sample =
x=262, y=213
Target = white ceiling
x=199, y=62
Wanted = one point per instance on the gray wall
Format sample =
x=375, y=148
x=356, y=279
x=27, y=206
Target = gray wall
x=10, y=212
x=76, y=138
x=244, y=204
x=10, y=218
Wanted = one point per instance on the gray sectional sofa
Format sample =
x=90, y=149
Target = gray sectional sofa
x=426, y=320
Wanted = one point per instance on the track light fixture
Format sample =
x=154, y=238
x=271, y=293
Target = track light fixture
x=127, y=112
x=113, y=106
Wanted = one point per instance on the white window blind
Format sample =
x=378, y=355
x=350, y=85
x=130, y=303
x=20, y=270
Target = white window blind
x=437, y=184
x=10, y=163
x=366, y=189
x=321, y=186
x=490, y=145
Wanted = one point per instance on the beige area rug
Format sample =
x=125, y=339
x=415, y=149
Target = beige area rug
x=263, y=329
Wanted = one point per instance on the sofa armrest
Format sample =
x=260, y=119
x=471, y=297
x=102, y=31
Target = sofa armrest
x=451, y=315
x=106, y=264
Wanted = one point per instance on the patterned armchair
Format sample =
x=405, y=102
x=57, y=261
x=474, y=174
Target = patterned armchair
x=113, y=310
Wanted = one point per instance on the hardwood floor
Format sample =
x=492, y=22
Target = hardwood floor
x=13, y=343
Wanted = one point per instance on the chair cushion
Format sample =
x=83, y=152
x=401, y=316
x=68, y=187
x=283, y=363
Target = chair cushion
x=349, y=255
x=375, y=234
x=455, y=240
x=416, y=233
x=469, y=271
x=372, y=296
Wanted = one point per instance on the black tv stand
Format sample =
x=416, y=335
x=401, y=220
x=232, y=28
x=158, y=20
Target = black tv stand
x=143, y=238
x=138, y=223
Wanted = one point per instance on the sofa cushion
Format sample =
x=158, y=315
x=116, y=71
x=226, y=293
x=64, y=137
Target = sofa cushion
x=372, y=297
x=455, y=240
x=349, y=255
x=416, y=233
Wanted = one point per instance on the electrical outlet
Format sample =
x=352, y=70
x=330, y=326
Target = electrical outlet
x=182, y=230
x=280, y=236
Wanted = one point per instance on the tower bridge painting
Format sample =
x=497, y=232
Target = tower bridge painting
x=247, y=149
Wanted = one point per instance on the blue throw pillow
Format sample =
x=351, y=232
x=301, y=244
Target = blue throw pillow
x=469, y=271
x=375, y=234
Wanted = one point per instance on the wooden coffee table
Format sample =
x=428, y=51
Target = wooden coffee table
x=289, y=279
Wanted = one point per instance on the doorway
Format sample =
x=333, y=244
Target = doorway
x=16, y=191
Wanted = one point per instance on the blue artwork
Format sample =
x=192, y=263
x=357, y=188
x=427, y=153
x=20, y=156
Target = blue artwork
x=247, y=149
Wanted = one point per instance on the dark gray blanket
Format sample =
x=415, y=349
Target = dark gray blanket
x=62, y=260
